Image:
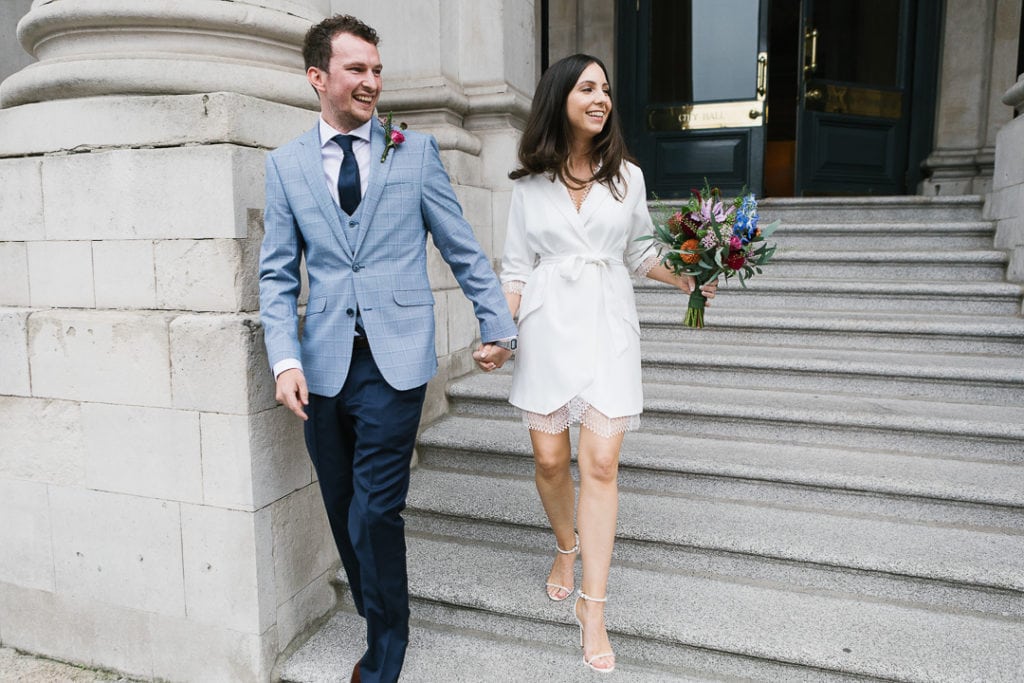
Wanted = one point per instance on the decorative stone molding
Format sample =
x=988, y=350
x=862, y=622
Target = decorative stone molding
x=124, y=47
x=1014, y=97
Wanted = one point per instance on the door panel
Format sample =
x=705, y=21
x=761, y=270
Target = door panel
x=720, y=156
x=853, y=125
x=695, y=78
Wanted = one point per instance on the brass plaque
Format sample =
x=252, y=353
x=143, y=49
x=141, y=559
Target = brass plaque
x=838, y=99
x=702, y=116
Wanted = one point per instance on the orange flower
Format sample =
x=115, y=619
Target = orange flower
x=690, y=245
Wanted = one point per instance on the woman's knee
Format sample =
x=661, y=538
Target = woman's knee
x=602, y=468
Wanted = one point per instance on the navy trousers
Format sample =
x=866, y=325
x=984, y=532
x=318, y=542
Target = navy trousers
x=361, y=444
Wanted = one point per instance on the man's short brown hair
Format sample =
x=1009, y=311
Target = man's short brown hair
x=316, y=48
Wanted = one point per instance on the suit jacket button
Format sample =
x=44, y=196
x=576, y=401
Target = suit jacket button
x=356, y=267
x=349, y=312
x=353, y=224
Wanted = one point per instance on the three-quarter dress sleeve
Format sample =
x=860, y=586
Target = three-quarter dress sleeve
x=518, y=258
x=640, y=256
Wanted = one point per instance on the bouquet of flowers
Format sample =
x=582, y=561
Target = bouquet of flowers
x=710, y=237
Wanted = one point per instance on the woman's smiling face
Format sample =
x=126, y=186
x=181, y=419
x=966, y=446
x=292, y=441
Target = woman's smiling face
x=589, y=103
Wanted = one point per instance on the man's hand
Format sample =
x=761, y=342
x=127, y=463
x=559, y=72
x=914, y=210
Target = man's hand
x=292, y=391
x=489, y=357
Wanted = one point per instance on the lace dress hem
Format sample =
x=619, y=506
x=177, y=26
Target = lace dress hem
x=580, y=411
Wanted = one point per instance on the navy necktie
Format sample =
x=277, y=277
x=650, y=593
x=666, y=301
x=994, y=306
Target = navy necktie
x=350, y=190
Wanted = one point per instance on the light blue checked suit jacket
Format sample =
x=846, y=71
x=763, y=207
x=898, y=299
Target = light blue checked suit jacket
x=375, y=259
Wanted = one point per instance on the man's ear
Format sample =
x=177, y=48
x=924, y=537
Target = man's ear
x=315, y=77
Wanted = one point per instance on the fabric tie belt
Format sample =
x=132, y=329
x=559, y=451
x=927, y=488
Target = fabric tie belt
x=571, y=267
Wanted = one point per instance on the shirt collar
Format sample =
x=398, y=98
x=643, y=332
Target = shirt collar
x=327, y=132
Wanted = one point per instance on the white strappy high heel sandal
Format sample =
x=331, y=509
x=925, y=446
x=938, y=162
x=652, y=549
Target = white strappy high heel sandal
x=568, y=591
x=603, y=655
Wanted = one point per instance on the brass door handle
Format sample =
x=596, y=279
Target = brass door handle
x=814, y=95
x=811, y=50
x=762, y=75
x=755, y=114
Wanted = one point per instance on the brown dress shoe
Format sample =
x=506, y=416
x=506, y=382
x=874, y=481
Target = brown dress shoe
x=355, y=674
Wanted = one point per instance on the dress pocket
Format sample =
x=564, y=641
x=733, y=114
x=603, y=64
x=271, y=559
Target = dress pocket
x=533, y=294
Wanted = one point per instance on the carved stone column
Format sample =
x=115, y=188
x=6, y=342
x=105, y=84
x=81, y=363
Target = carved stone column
x=161, y=515
x=979, y=49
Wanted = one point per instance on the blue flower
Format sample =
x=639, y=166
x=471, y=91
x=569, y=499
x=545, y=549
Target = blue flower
x=746, y=219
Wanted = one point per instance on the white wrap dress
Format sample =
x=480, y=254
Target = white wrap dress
x=578, y=356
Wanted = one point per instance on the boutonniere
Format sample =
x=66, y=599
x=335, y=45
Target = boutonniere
x=392, y=138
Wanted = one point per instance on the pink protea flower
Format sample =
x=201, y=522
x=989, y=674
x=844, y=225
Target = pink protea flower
x=735, y=243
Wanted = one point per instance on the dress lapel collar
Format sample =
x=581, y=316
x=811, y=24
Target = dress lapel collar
x=599, y=194
x=312, y=165
x=558, y=195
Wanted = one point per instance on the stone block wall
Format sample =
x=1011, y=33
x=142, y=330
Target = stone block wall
x=158, y=501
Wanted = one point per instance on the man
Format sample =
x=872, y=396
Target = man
x=360, y=212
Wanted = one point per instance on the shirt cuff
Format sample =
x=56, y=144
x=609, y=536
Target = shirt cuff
x=286, y=364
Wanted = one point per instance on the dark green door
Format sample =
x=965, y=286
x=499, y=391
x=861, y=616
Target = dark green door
x=854, y=119
x=692, y=80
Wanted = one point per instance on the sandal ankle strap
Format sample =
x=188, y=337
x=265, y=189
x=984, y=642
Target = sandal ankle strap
x=572, y=550
x=587, y=597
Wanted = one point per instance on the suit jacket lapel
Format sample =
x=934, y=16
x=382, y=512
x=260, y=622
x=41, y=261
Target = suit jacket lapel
x=312, y=165
x=378, y=177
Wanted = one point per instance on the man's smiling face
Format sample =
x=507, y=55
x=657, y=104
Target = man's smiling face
x=349, y=89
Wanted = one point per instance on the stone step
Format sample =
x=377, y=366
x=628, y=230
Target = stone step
x=826, y=531
x=452, y=645
x=905, y=209
x=900, y=425
x=888, y=296
x=933, y=266
x=880, y=330
x=677, y=625
x=541, y=646
x=911, y=237
x=503, y=446
x=960, y=378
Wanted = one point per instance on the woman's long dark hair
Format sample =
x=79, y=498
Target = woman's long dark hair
x=545, y=145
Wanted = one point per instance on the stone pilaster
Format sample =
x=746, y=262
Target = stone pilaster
x=166, y=519
x=979, y=50
x=1006, y=202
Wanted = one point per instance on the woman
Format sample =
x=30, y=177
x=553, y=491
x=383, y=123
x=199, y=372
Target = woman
x=578, y=205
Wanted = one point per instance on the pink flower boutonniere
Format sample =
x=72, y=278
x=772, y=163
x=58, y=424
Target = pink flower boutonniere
x=392, y=138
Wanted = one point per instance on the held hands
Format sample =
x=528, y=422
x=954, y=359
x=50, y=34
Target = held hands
x=292, y=391
x=490, y=357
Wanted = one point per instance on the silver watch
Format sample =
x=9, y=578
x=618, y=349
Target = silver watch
x=509, y=344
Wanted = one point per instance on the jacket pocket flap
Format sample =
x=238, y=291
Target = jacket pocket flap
x=317, y=305
x=414, y=297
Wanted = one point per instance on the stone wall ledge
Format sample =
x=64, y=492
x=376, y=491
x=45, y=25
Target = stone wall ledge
x=140, y=121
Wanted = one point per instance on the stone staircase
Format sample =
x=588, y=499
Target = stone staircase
x=828, y=486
